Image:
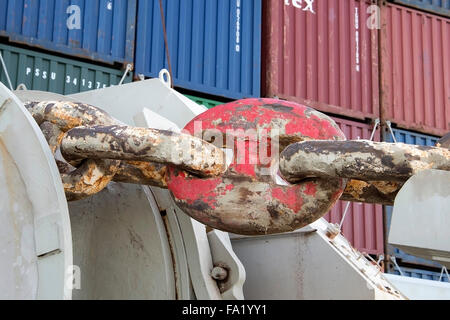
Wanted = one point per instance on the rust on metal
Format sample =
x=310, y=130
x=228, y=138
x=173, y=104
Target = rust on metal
x=142, y=144
x=52, y=134
x=145, y=173
x=68, y=115
x=96, y=148
x=360, y=160
x=376, y=192
x=248, y=198
x=56, y=118
x=89, y=178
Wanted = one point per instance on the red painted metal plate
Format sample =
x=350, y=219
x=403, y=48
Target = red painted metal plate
x=251, y=198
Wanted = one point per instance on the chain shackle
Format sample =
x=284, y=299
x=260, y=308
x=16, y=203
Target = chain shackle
x=250, y=197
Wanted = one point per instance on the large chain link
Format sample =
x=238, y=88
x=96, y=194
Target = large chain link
x=97, y=149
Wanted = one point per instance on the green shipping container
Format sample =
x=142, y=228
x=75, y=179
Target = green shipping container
x=205, y=102
x=44, y=72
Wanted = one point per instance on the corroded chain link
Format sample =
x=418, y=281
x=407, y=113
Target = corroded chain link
x=377, y=169
x=99, y=149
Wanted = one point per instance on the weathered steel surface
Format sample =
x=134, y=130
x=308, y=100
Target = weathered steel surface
x=91, y=176
x=144, y=144
x=415, y=69
x=444, y=142
x=145, y=173
x=68, y=115
x=248, y=198
x=379, y=192
x=97, y=147
x=361, y=160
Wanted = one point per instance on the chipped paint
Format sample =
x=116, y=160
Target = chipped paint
x=361, y=160
x=247, y=199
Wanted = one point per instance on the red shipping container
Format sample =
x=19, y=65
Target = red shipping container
x=324, y=55
x=415, y=69
x=363, y=224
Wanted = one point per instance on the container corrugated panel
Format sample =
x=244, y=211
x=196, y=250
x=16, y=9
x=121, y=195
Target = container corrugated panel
x=415, y=69
x=214, y=45
x=418, y=273
x=208, y=103
x=102, y=30
x=363, y=224
x=440, y=7
x=403, y=136
x=45, y=72
x=326, y=57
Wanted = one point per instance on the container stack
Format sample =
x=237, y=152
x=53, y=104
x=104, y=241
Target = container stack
x=358, y=61
x=415, y=93
x=214, y=46
x=66, y=46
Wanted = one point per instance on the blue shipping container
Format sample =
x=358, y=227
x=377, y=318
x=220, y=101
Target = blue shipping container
x=214, y=45
x=102, y=30
x=421, y=274
x=403, y=136
x=441, y=7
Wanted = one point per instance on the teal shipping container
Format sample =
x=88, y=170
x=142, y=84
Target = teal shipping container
x=46, y=72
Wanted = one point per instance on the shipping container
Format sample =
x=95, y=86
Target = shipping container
x=419, y=273
x=38, y=71
x=363, y=224
x=101, y=30
x=403, y=136
x=214, y=45
x=415, y=69
x=208, y=103
x=322, y=54
x=439, y=7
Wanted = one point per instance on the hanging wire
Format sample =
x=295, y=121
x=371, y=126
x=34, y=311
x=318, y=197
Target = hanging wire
x=380, y=258
x=394, y=260
x=392, y=132
x=6, y=72
x=166, y=43
x=442, y=273
x=128, y=69
x=343, y=216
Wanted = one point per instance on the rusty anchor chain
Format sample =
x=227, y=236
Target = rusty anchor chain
x=100, y=149
x=288, y=164
x=377, y=169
